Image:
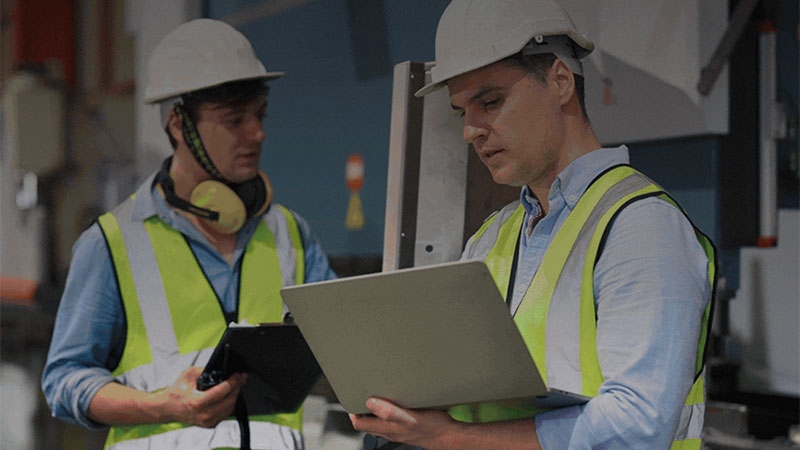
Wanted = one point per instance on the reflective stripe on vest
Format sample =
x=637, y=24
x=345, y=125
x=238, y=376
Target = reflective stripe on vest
x=263, y=435
x=574, y=366
x=156, y=272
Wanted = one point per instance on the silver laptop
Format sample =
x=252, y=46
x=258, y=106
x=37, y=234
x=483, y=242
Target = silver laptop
x=424, y=337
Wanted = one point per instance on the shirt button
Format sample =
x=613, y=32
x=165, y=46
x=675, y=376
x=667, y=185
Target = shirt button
x=572, y=198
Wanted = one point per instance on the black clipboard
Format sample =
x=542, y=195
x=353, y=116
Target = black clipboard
x=280, y=366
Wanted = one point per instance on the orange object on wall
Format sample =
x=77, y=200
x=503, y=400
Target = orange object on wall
x=354, y=177
x=45, y=30
x=354, y=172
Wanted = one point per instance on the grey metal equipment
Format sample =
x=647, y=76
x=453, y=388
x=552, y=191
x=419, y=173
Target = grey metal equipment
x=427, y=213
x=437, y=191
x=405, y=138
x=738, y=21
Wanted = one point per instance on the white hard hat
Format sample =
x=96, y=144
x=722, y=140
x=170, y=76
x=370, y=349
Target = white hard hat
x=199, y=54
x=475, y=33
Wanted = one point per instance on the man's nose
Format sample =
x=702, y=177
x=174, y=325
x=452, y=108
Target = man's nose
x=473, y=133
x=255, y=129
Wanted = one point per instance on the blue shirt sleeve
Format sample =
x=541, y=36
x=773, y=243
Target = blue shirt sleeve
x=651, y=291
x=88, y=333
x=317, y=265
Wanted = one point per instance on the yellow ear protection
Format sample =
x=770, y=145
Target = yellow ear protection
x=223, y=205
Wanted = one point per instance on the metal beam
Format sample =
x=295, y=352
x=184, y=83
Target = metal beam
x=709, y=73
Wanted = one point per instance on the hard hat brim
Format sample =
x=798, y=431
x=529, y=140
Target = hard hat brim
x=265, y=76
x=430, y=88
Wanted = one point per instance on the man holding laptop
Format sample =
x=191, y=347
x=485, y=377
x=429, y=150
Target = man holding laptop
x=608, y=281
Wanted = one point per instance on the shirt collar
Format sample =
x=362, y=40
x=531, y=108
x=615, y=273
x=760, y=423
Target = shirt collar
x=144, y=203
x=529, y=202
x=576, y=177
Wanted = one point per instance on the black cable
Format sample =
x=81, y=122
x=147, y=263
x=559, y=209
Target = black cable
x=372, y=442
x=244, y=423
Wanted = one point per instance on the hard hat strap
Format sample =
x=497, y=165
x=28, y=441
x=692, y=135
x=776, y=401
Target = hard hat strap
x=561, y=46
x=195, y=144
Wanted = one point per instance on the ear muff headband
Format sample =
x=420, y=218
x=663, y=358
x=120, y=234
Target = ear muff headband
x=256, y=194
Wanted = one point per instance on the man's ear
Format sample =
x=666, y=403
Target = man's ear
x=564, y=79
x=175, y=126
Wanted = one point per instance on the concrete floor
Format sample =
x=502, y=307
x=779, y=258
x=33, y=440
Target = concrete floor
x=326, y=426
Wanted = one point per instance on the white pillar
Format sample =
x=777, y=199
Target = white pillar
x=768, y=165
x=149, y=21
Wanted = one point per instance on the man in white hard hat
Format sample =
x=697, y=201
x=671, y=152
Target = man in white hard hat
x=609, y=282
x=154, y=283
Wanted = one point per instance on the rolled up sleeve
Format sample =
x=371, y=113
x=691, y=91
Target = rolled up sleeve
x=88, y=335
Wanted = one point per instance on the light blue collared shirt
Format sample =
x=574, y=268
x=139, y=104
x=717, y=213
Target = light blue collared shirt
x=651, y=289
x=89, y=333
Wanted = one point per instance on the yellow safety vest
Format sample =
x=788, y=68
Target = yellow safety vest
x=572, y=255
x=174, y=319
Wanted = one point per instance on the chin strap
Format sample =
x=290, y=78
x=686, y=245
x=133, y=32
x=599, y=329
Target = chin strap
x=195, y=144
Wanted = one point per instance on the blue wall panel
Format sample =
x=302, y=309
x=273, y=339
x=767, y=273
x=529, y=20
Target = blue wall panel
x=687, y=169
x=321, y=112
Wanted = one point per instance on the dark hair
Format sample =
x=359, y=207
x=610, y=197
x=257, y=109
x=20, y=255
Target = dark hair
x=231, y=94
x=537, y=66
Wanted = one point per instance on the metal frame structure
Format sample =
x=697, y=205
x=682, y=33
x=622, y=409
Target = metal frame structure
x=437, y=191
